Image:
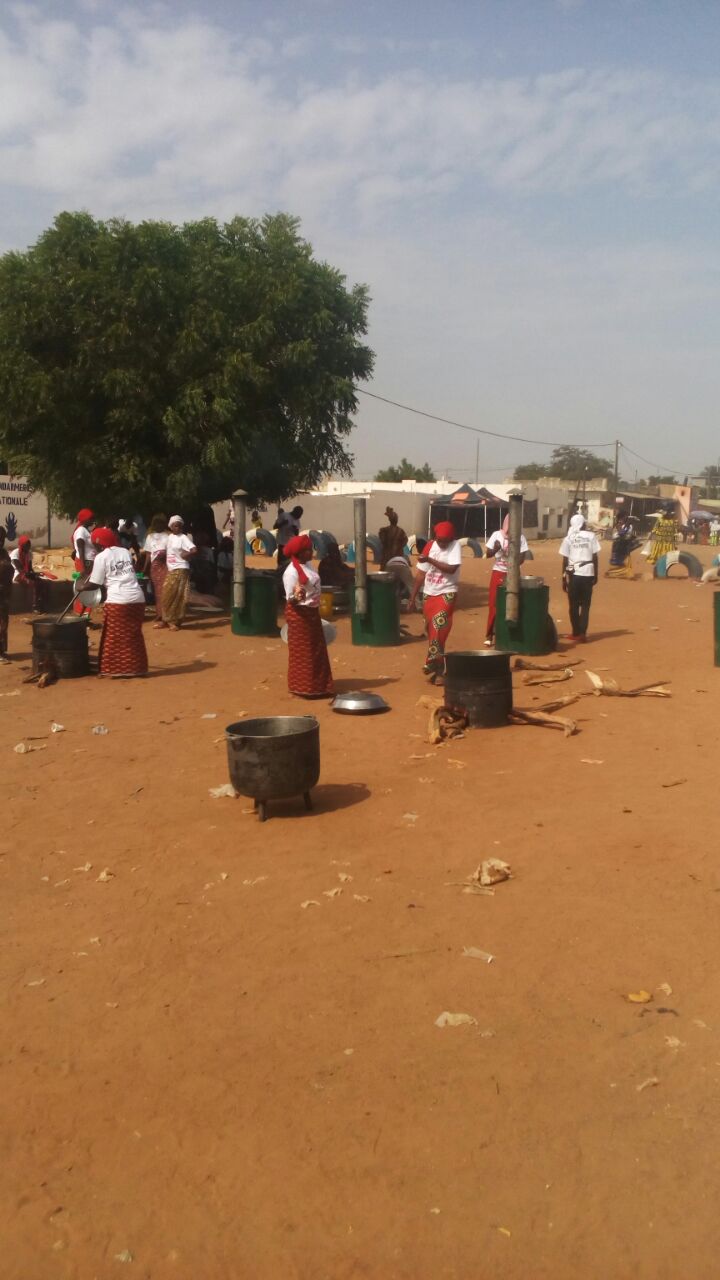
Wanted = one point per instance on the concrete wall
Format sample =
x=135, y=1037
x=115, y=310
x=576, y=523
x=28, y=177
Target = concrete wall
x=22, y=511
x=336, y=513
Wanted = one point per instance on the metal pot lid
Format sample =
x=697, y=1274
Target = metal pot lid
x=359, y=703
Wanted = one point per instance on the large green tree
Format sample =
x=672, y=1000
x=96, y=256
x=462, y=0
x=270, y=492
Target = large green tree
x=567, y=463
x=151, y=365
x=406, y=471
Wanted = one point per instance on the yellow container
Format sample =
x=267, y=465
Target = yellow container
x=327, y=599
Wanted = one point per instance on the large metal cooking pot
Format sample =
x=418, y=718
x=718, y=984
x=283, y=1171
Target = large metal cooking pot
x=273, y=758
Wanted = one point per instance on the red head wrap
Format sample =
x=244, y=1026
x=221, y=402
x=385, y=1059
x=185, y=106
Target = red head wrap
x=23, y=541
x=444, y=529
x=294, y=548
x=104, y=538
x=84, y=515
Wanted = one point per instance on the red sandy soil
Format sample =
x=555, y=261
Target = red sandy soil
x=200, y=1072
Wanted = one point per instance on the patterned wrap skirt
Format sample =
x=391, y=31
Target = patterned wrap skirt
x=174, y=596
x=438, y=611
x=309, y=674
x=158, y=574
x=122, y=646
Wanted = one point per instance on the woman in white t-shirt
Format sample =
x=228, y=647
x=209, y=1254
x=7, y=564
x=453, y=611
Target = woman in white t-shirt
x=497, y=546
x=309, y=674
x=83, y=550
x=155, y=548
x=179, y=552
x=122, y=647
x=439, y=576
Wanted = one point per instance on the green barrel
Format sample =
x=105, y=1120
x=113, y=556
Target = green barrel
x=259, y=617
x=716, y=615
x=534, y=632
x=381, y=624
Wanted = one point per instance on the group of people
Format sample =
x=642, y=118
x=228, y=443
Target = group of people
x=437, y=579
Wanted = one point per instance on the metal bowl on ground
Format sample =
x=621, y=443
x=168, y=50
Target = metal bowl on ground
x=274, y=757
x=359, y=703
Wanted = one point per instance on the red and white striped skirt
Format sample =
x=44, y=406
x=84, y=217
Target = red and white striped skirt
x=122, y=645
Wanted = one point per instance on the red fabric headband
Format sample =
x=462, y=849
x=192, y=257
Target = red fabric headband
x=104, y=538
x=444, y=529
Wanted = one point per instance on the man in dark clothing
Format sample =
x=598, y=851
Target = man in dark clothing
x=392, y=538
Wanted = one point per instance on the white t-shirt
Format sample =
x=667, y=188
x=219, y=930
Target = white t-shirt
x=90, y=552
x=114, y=569
x=580, y=546
x=437, y=582
x=176, y=543
x=497, y=543
x=312, y=586
x=15, y=558
x=155, y=543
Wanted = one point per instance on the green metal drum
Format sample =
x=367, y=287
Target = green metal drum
x=259, y=617
x=534, y=632
x=381, y=624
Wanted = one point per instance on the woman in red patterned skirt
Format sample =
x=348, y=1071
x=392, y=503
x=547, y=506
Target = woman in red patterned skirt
x=122, y=647
x=309, y=674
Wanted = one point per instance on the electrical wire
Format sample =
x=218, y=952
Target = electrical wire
x=668, y=471
x=479, y=431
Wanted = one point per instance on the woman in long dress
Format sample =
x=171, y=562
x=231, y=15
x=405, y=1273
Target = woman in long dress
x=309, y=673
x=122, y=646
x=180, y=550
x=156, y=548
x=439, y=576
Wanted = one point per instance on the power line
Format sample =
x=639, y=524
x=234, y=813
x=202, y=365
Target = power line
x=478, y=431
x=670, y=471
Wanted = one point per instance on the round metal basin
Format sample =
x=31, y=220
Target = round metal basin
x=274, y=757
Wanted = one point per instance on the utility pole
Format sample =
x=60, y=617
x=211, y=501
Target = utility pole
x=617, y=461
x=477, y=460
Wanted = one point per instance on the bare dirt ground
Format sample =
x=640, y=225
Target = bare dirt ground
x=202, y=1079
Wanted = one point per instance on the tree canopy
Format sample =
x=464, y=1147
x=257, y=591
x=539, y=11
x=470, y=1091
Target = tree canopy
x=145, y=366
x=567, y=463
x=406, y=471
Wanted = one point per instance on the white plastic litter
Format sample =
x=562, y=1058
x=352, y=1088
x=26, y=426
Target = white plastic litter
x=99, y=730
x=226, y=790
x=57, y=728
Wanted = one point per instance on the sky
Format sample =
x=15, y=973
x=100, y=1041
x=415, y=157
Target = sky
x=529, y=188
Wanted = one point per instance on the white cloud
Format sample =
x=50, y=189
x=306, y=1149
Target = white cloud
x=472, y=317
x=83, y=108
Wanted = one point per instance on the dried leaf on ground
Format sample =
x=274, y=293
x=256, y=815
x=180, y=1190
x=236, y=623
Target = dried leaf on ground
x=344, y=877
x=57, y=728
x=491, y=871
x=556, y=677
x=519, y=716
x=447, y=1019
x=446, y=723
x=361, y=897
x=665, y=988
x=333, y=893
x=106, y=875
x=99, y=730
x=87, y=866
x=257, y=879
x=677, y=783
x=309, y=902
x=24, y=748
x=226, y=790
x=639, y=997
x=647, y=1084
x=586, y=760
x=37, y=982
x=474, y=953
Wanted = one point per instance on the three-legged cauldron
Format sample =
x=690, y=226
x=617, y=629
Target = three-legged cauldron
x=273, y=758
